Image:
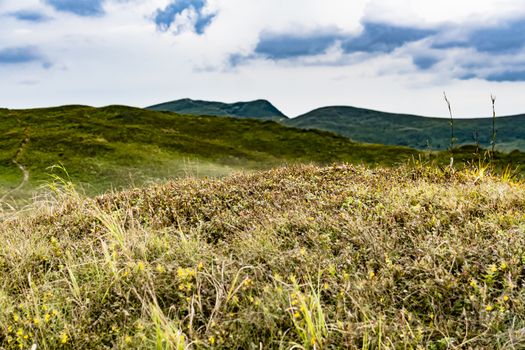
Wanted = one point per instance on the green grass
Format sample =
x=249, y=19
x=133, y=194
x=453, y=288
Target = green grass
x=302, y=257
x=117, y=147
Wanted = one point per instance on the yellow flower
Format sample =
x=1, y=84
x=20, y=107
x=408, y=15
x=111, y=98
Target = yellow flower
x=489, y=308
x=211, y=340
x=506, y=298
x=63, y=338
x=371, y=274
x=493, y=268
x=140, y=266
x=503, y=266
x=36, y=321
x=296, y=314
x=47, y=318
x=200, y=266
x=160, y=268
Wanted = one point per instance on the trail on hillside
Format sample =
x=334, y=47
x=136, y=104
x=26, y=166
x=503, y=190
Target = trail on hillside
x=24, y=170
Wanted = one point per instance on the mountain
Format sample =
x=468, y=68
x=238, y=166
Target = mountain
x=259, y=109
x=371, y=126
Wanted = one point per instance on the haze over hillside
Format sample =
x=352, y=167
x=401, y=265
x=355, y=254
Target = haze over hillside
x=370, y=126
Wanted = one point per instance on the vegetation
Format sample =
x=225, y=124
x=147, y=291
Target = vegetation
x=366, y=125
x=302, y=257
x=117, y=146
x=259, y=109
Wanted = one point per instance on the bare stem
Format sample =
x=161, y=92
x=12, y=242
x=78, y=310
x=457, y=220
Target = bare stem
x=452, y=139
x=493, y=140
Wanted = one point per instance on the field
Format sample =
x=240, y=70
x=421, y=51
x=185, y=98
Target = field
x=117, y=147
x=299, y=257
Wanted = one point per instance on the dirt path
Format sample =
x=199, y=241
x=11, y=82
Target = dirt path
x=24, y=170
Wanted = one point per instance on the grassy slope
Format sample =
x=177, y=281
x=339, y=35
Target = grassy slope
x=115, y=146
x=365, y=125
x=259, y=109
x=337, y=257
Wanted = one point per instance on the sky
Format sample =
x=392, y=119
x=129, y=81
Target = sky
x=390, y=55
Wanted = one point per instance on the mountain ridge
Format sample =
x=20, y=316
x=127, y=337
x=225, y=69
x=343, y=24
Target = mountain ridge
x=372, y=126
x=257, y=109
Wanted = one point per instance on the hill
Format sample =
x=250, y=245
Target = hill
x=259, y=109
x=302, y=257
x=118, y=146
x=371, y=126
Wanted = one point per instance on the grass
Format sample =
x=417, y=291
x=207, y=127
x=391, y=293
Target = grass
x=300, y=257
x=117, y=147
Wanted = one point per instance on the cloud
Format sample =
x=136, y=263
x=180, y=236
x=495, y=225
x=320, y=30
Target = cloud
x=374, y=38
x=86, y=8
x=186, y=11
x=505, y=37
x=30, y=16
x=425, y=62
x=507, y=76
x=275, y=46
x=22, y=55
x=383, y=37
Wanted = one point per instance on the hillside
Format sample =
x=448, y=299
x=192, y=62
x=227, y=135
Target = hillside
x=117, y=146
x=302, y=257
x=259, y=109
x=371, y=126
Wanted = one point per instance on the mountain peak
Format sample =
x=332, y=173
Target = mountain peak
x=257, y=109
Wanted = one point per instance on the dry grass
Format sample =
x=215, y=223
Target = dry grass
x=302, y=257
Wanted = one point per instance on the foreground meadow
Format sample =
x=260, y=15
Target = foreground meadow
x=303, y=257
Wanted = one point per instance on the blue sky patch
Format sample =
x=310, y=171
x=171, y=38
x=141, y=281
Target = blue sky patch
x=512, y=76
x=384, y=38
x=30, y=16
x=20, y=55
x=165, y=18
x=425, y=62
x=508, y=37
x=85, y=8
x=285, y=46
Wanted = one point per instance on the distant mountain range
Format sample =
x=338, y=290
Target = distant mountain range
x=365, y=125
x=259, y=109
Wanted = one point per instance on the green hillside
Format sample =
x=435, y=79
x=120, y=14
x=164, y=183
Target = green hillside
x=366, y=125
x=259, y=109
x=116, y=146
